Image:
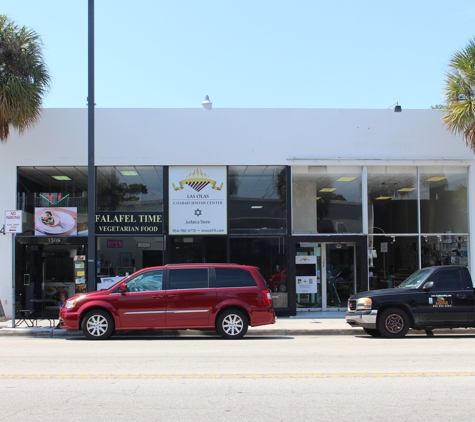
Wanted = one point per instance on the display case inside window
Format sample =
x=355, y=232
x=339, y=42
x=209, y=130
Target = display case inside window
x=446, y=249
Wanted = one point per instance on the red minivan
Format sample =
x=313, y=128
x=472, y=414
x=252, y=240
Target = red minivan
x=225, y=297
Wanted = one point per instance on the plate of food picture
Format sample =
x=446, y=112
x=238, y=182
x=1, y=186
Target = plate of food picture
x=52, y=221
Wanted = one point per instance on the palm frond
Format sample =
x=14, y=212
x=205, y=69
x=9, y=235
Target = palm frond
x=24, y=77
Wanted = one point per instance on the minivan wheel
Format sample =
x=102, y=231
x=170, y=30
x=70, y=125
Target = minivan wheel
x=393, y=323
x=97, y=325
x=232, y=324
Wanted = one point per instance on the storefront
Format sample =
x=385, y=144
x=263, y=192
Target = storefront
x=260, y=190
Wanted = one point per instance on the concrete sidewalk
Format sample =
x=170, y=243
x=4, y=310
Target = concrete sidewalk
x=305, y=323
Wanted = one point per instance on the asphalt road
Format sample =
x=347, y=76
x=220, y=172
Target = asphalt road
x=255, y=379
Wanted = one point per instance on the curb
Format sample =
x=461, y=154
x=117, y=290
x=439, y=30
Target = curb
x=280, y=332
x=40, y=332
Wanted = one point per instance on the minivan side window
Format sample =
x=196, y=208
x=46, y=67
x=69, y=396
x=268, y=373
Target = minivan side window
x=234, y=277
x=188, y=278
x=149, y=281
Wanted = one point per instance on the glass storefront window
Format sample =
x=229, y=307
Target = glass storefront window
x=119, y=256
x=444, y=205
x=129, y=188
x=52, y=187
x=444, y=250
x=391, y=260
x=392, y=199
x=268, y=254
x=257, y=200
x=326, y=199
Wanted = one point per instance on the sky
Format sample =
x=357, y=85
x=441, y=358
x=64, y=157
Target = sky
x=366, y=54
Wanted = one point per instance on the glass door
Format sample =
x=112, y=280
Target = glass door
x=325, y=275
x=308, y=270
x=339, y=274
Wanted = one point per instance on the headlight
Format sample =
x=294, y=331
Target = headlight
x=363, y=303
x=71, y=303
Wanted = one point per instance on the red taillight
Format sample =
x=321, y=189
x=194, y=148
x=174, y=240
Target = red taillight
x=266, y=297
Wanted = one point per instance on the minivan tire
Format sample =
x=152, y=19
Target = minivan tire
x=98, y=325
x=232, y=324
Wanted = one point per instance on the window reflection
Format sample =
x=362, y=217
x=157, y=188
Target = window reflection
x=129, y=188
x=257, y=199
x=392, y=199
x=444, y=199
x=326, y=199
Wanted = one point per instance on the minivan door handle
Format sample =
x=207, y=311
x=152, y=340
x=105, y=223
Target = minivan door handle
x=460, y=295
x=172, y=296
x=158, y=297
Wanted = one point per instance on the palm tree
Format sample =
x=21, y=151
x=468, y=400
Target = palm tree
x=24, y=77
x=460, y=94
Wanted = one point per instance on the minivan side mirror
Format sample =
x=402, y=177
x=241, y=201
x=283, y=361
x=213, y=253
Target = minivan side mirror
x=123, y=288
x=429, y=285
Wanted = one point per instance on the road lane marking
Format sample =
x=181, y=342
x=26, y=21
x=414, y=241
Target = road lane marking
x=243, y=375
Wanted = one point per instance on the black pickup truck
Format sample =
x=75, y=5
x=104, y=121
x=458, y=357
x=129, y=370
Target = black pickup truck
x=430, y=298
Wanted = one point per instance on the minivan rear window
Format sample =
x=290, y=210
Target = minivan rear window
x=188, y=278
x=234, y=277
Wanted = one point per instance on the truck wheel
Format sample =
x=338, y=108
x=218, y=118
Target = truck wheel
x=373, y=332
x=393, y=323
x=97, y=325
x=232, y=324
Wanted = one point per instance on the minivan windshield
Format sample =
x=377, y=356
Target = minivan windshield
x=415, y=279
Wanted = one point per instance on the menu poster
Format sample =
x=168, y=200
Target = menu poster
x=80, y=273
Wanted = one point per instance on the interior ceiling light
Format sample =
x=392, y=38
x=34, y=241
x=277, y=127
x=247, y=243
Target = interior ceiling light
x=436, y=179
x=256, y=206
x=129, y=173
x=327, y=190
x=346, y=179
x=406, y=189
x=61, y=177
x=379, y=198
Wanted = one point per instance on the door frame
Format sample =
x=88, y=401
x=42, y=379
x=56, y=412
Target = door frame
x=360, y=243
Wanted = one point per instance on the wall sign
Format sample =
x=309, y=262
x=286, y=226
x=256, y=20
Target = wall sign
x=198, y=200
x=13, y=221
x=133, y=223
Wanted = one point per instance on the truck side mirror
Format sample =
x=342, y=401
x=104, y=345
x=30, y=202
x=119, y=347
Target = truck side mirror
x=429, y=285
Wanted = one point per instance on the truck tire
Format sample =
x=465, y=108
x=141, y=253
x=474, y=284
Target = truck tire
x=373, y=332
x=393, y=323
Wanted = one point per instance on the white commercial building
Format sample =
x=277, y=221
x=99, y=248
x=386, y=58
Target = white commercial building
x=325, y=202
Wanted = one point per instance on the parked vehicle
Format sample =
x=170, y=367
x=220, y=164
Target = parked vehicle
x=430, y=298
x=226, y=297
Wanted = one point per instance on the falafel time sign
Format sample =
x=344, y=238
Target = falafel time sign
x=198, y=200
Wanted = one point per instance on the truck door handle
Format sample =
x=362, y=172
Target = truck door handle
x=460, y=295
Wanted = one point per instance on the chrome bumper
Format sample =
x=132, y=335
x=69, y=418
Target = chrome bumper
x=364, y=319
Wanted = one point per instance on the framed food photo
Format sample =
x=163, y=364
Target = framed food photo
x=125, y=259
